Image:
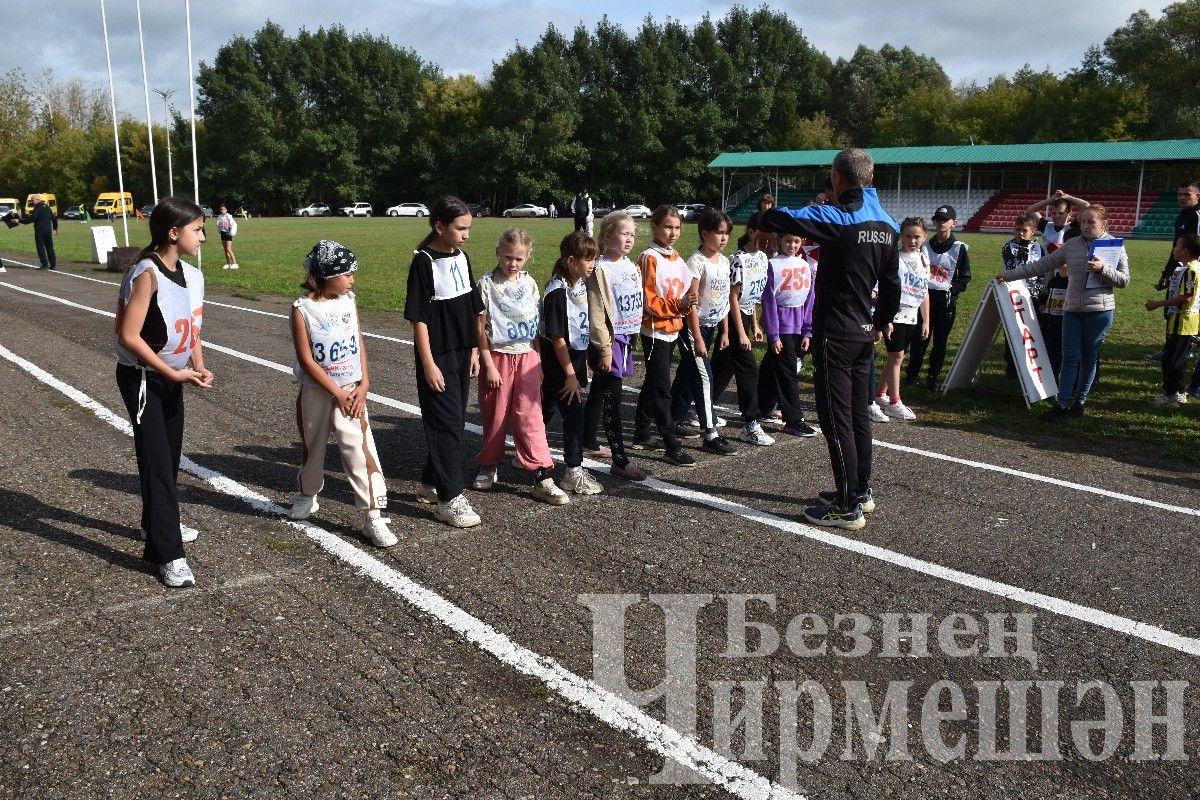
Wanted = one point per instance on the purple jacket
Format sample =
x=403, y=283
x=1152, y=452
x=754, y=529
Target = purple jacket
x=779, y=320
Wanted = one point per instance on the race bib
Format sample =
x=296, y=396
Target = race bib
x=512, y=309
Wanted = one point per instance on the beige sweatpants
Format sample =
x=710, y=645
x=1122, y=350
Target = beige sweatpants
x=318, y=415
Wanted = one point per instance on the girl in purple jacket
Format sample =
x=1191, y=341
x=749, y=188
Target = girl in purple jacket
x=787, y=311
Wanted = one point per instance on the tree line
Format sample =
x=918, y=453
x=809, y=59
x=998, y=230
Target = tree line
x=634, y=116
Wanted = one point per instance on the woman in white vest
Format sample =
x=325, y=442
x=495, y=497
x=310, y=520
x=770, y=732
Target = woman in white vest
x=157, y=339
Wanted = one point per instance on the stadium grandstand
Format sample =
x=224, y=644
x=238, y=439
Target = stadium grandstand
x=989, y=184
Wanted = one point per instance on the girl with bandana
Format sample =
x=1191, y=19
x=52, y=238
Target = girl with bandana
x=331, y=366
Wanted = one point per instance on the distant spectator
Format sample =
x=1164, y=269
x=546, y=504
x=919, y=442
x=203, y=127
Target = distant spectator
x=581, y=210
x=45, y=228
x=1183, y=319
x=1060, y=227
x=766, y=202
x=553, y=211
x=227, y=227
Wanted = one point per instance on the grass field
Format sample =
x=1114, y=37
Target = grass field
x=271, y=252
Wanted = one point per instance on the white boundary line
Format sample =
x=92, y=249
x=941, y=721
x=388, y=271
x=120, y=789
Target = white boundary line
x=601, y=703
x=981, y=465
x=1087, y=614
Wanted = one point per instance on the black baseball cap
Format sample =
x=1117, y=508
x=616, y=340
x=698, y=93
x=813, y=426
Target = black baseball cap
x=945, y=212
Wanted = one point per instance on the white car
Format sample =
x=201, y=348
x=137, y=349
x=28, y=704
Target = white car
x=526, y=210
x=689, y=211
x=408, y=210
x=357, y=210
x=637, y=211
x=312, y=210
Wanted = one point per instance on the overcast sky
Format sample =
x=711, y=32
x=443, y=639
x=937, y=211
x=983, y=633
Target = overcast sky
x=466, y=36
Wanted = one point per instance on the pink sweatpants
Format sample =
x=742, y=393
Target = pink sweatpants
x=518, y=402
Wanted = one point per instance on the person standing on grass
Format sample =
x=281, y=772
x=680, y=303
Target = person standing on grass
x=1056, y=227
x=160, y=310
x=1087, y=310
x=442, y=304
x=859, y=249
x=1183, y=319
x=911, y=320
x=45, y=228
x=227, y=227
x=949, y=274
x=581, y=210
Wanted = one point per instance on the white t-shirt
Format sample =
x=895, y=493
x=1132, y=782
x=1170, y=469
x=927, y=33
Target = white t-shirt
x=512, y=312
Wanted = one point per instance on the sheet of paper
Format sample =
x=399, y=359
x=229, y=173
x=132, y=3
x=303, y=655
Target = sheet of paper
x=1109, y=252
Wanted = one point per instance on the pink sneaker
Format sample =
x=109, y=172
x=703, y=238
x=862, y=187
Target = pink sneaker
x=630, y=472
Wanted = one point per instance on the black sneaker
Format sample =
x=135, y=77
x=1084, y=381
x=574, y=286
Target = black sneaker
x=1076, y=409
x=866, y=499
x=680, y=458
x=1056, y=413
x=932, y=384
x=685, y=431
x=801, y=429
x=834, y=516
x=719, y=446
x=646, y=442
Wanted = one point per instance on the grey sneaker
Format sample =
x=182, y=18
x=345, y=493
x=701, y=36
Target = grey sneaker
x=176, y=574
x=755, y=435
x=427, y=494
x=376, y=529
x=457, y=513
x=303, y=506
x=188, y=534
x=580, y=483
x=486, y=479
x=548, y=493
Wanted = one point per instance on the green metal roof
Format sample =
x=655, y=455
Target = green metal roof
x=1164, y=150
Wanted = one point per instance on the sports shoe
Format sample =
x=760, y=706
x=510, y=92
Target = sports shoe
x=1153, y=358
x=580, y=483
x=486, y=479
x=718, y=445
x=376, y=529
x=866, y=499
x=234, y=265
x=303, y=506
x=1076, y=409
x=692, y=418
x=427, y=494
x=718, y=422
x=774, y=418
x=834, y=516
x=881, y=400
x=680, y=458
x=1056, y=412
x=601, y=452
x=1182, y=398
x=646, y=443
x=187, y=534
x=3, y=268
x=1165, y=401
x=801, y=429
x=685, y=431
x=457, y=513
x=899, y=411
x=932, y=384
x=630, y=472
x=176, y=574
x=755, y=435
x=876, y=413
x=224, y=266
x=548, y=493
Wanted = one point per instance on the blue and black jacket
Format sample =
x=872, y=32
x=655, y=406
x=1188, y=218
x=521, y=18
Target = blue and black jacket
x=860, y=247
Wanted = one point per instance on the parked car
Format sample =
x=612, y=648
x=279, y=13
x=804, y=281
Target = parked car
x=637, y=211
x=480, y=210
x=71, y=212
x=408, y=210
x=600, y=212
x=689, y=211
x=312, y=210
x=357, y=210
x=526, y=210
x=148, y=209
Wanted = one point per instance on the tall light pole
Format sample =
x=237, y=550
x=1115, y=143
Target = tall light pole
x=165, y=94
x=112, y=97
x=146, y=93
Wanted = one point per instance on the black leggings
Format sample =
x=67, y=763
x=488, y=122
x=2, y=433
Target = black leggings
x=553, y=380
x=604, y=407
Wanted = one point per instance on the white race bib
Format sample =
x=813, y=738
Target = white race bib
x=625, y=295
x=793, y=280
x=512, y=308
x=332, y=327
x=578, y=335
x=914, y=281
x=754, y=279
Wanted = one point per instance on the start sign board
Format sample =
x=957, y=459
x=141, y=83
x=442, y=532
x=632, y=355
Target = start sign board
x=104, y=238
x=1006, y=304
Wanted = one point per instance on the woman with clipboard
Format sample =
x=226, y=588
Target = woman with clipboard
x=1096, y=264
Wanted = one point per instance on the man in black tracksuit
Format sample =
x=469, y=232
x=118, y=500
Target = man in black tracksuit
x=859, y=248
x=1186, y=221
x=949, y=274
x=45, y=228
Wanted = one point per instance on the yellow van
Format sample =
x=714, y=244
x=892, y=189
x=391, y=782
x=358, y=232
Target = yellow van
x=112, y=203
x=8, y=204
x=50, y=200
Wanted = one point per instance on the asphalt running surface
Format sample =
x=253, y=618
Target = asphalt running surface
x=689, y=637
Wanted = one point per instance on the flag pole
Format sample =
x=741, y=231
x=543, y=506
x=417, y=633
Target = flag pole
x=146, y=92
x=112, y=99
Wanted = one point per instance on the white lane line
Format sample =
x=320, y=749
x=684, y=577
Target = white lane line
x=1092, y=616
x=966, y=462
x=603, y=704
x=981, y=465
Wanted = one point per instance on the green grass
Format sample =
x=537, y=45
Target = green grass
x=271, y=253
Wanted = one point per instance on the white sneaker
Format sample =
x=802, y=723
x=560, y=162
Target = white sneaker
x=376, y=529
x=756, y=436
x=720, y=422
x=224, y=266
x=188, y=534
x=1182, y=398
x=486, y=479
x=457, y=513
x=176, y=574
x=580, y=483
x=899, y=411
x=548, y=493
x=876, y=413
x=881, y=400
x=427, y=494
x=3, y=268
x=303, y=506
x=234, y=265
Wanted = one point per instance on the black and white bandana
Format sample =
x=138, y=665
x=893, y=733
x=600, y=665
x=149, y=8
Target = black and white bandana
x=328, y=259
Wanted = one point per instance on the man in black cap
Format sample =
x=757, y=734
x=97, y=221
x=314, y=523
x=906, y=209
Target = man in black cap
x=859, y=247
x=581, y=210
x=949, y=274
x=45, y=228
